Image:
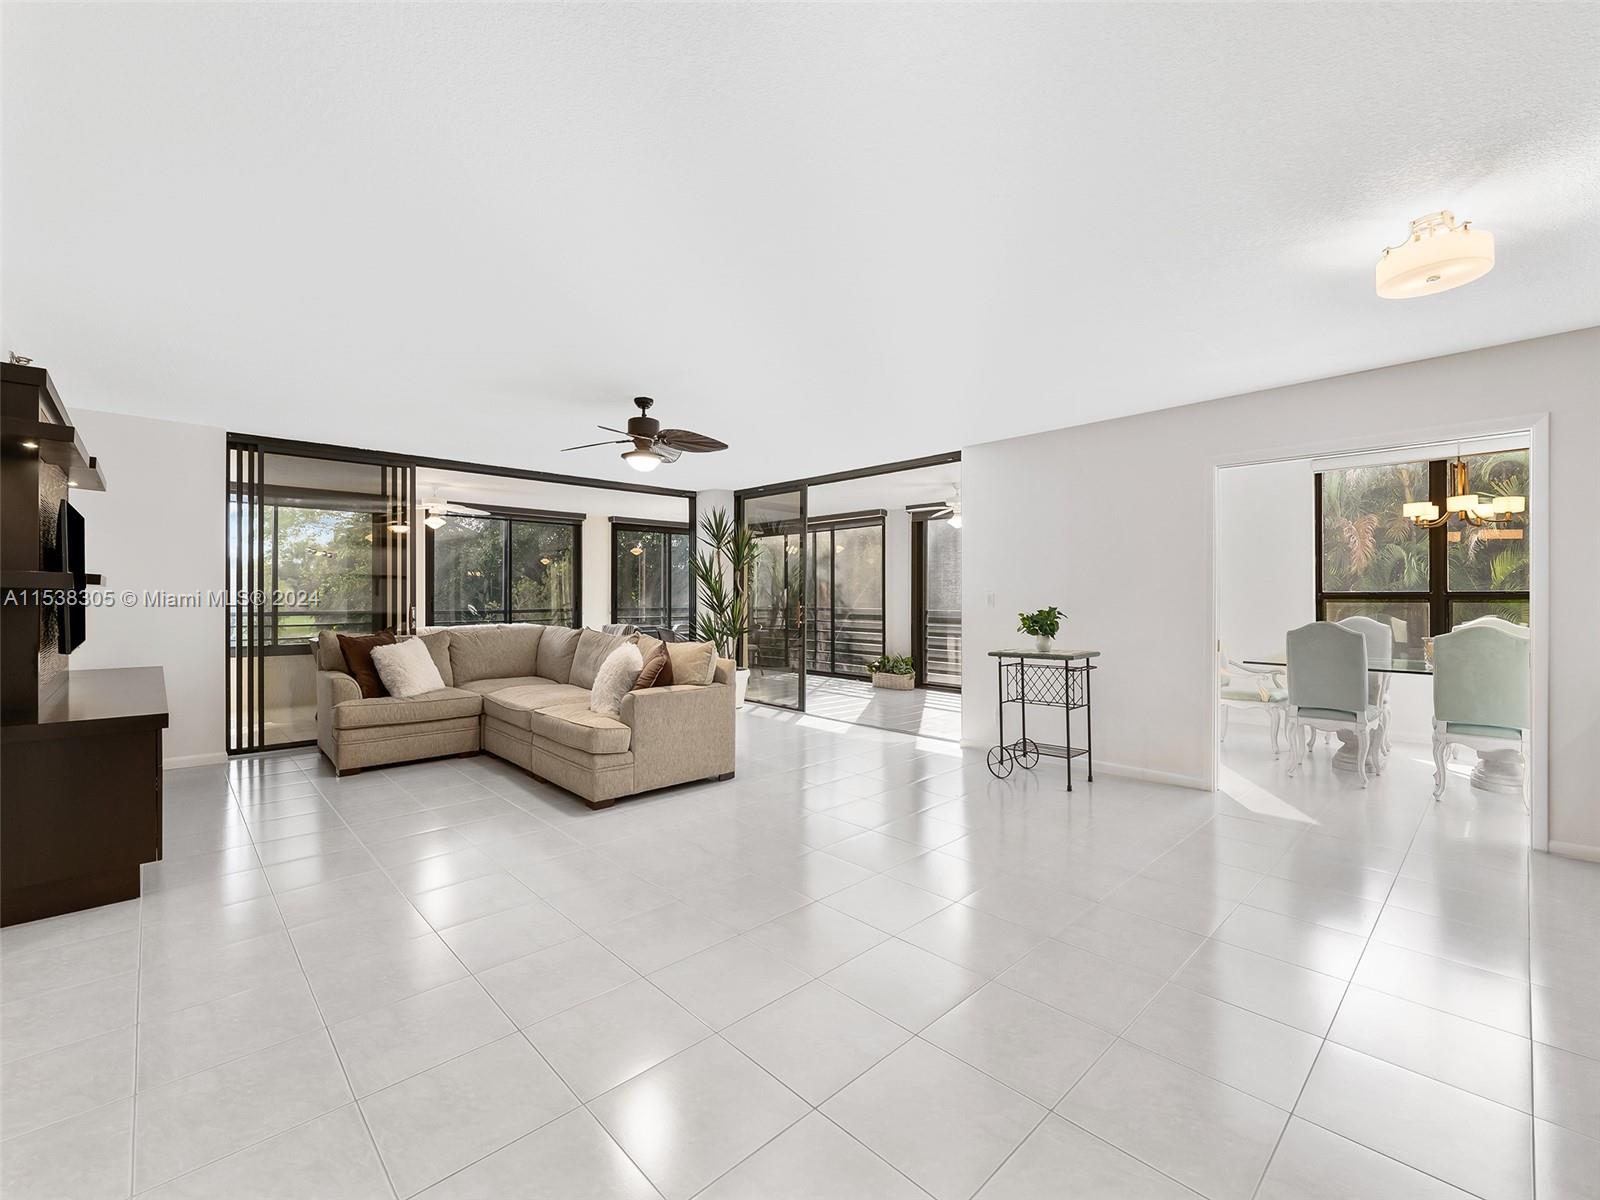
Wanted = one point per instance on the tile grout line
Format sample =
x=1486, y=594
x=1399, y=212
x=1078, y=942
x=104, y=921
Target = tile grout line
x=327, y=1029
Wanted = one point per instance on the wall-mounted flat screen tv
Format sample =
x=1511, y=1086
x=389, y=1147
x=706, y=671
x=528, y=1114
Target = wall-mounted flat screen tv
x=67, y=555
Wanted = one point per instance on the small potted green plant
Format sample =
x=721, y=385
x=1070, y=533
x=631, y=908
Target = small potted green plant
x=898, y=672
x=1044, y=625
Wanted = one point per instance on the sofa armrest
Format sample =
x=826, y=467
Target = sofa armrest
x=680, y=733
x=333, y=689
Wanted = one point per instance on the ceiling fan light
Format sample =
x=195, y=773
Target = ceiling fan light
x=955, y=520
x=1437, y=255
x=399, y=527
x=434, y=521
x=641, y=460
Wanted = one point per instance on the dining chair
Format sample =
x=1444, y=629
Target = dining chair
x=1380, y=651
x=1480, y=691
x=1251, y=688
x=1328, y=691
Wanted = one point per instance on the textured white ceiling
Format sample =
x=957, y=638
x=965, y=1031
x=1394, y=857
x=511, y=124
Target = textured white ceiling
x=831, y=236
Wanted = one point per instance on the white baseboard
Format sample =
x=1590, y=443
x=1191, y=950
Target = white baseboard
x=1576, y=850
x=193, y=760
x=1146, y=775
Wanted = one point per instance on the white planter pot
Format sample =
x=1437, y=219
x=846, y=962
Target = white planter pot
x=741, y=681
x=1042, y=644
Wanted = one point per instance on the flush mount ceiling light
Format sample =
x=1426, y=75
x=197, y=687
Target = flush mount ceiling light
x=1437, y=256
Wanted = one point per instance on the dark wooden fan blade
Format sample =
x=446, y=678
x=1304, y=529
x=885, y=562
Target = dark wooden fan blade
x=668, y=454
x=592, y=445
x=686, y=439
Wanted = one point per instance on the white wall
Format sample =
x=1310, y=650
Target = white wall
x=159, y=526
x=1113, y=521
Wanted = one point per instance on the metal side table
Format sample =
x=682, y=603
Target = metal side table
x=1043, y=679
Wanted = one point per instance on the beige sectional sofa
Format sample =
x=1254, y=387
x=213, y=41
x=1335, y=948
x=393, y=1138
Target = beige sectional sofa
x=521, y=692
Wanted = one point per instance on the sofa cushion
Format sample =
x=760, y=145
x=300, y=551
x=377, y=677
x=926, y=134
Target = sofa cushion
x=438, y=644
x=593, y=649
x=556, y=648
x=406, y=668
x=574, y=725
x=512, y=705
x=329, y=656
x=392, y=710
x=494, y=651
x=484, y=686
x=692, y=662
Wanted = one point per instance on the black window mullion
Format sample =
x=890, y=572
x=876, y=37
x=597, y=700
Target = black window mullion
x=1438, y=552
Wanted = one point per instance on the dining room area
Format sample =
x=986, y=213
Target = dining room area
x=1377, y=604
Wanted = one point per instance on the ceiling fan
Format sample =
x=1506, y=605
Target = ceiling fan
x=653, y=445
x=437, y=510
x=950, y=508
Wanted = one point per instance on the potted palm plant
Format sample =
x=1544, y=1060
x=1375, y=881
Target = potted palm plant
x=897, y=672
x=1043, y=624
x=721, y=574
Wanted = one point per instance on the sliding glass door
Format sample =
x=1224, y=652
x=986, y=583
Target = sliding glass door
x=936, y=601
x=844, y=594
x=775, y=648
x=314, y=544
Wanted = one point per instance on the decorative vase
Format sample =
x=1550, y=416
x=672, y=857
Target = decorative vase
x=741, y=682
x=1042, y=642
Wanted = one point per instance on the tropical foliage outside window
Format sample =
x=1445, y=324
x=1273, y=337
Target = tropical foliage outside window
x=1373, y=562
x=325, y=553
x=500, y=569
x=652, y=580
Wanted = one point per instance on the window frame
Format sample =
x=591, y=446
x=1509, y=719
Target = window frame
x=867, y=519
x=920, y=520
x=622, y=526
x=1438, y=597
x=509, y=518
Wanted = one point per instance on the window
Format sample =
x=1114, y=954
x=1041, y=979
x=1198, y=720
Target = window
x=652, y=584
x=320, y=553
x=844, y=594
x=1373, y=562
x=505, y=567
x=936, y=601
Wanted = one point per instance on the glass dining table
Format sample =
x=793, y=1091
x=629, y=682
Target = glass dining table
x=1395, y=666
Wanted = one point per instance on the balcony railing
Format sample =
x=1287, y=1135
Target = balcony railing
x=845, y=646
x=943, y=665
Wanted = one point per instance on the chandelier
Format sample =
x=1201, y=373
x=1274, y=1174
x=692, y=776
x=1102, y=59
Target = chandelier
x=1469, y=506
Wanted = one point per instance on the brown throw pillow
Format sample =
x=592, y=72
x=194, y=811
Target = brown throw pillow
x=657, y=670
x=357, y=653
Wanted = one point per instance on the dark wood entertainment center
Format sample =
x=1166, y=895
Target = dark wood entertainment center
x=80, y=751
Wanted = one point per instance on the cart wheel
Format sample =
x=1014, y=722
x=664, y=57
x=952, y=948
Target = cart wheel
x=1027, y=753
x=1000, y=761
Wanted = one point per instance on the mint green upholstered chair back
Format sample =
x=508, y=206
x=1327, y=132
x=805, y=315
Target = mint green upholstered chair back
x=1328, y=668
x=1480, y=677
x=1379, y=636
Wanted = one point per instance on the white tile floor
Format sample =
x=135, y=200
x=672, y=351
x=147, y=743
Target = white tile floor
x=860, y=969
x=928, y=712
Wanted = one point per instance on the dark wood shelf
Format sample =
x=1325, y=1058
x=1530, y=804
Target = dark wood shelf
x=43, y=580
x=58, y=445
x=102, y=701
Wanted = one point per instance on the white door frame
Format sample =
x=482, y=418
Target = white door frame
x=1537, y=428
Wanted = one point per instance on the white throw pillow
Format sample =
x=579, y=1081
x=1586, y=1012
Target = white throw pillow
x=615, y=679
x=407, y=669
